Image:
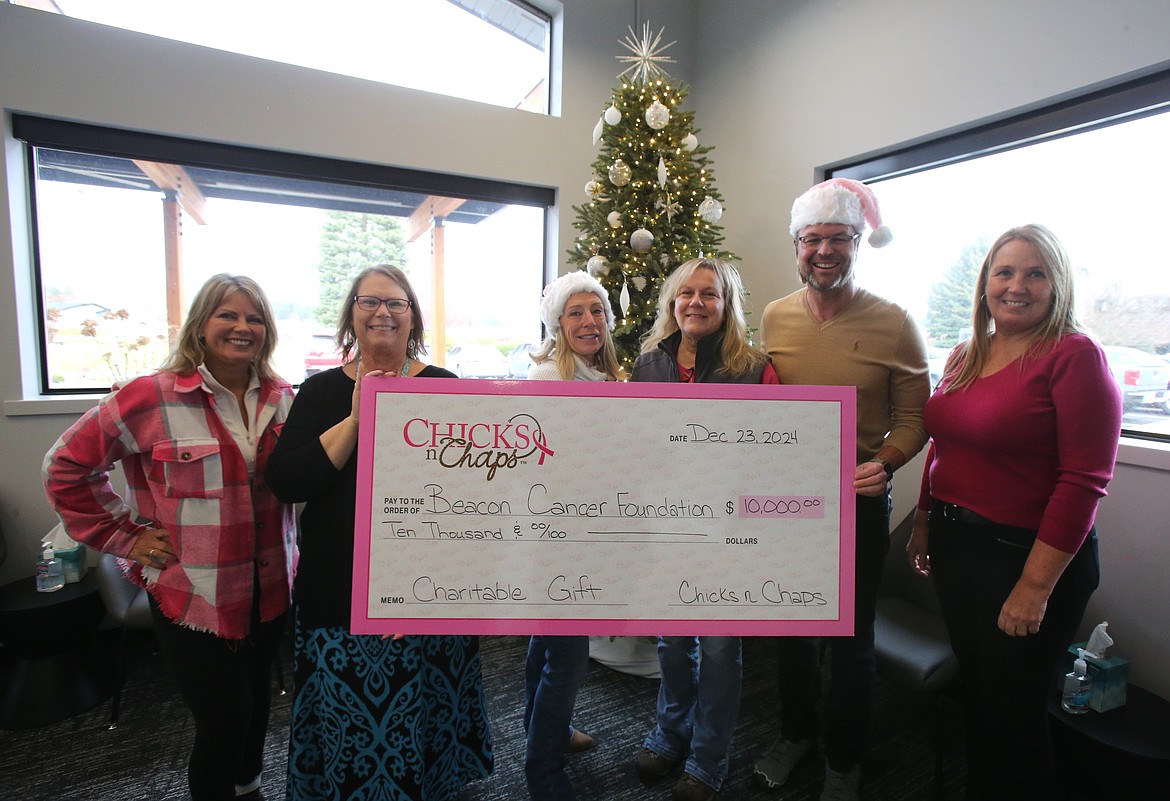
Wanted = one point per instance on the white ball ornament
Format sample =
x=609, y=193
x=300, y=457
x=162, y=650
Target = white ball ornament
x=710, y=209
x=614, y=219
x=612, y=115
x=597, y=265
x=641, y=240
x=619, y=173
x=690, y=142
x=593, y=189
x=657, y=115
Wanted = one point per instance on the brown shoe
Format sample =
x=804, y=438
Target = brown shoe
x=653, y=768
x=578, y=741
x=689, y=788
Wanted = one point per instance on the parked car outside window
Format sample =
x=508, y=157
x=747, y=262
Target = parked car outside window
x=519, y=360
x=322, y=354
x=936, y=360
x=1142, y=377
x=477, y=361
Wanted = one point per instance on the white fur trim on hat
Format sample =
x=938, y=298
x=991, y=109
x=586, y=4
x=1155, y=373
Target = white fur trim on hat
x=843, y=201
x=557, y=294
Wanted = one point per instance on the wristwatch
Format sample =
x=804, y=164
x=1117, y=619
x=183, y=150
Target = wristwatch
x=885, y=466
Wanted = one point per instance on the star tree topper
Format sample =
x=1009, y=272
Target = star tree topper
x=645, y=63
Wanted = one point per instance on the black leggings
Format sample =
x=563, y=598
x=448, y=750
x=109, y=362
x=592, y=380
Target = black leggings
x=227, y=686
x=1006, y=681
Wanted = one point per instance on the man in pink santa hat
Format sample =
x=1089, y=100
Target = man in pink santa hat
x=833, y=332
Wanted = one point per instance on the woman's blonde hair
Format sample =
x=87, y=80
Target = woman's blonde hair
x=739, y=356
x=190, y=351
x=969, y=359
x=346, y=337
x=556, y=346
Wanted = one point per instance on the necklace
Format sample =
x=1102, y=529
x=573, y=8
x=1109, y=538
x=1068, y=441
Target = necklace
x=405, y=368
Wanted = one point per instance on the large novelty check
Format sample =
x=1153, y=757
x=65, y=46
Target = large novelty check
x=566, y=507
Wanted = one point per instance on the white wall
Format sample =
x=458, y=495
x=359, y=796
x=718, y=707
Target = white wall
x=778, y=86
x=783, y=87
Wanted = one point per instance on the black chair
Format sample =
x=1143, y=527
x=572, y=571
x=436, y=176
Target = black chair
x=910, y=637
x=128, y=606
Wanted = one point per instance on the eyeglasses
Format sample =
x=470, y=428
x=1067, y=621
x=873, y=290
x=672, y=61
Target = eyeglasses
x=835, y=242
x=393, y=305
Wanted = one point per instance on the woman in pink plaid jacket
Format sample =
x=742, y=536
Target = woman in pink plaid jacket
x=198, y=526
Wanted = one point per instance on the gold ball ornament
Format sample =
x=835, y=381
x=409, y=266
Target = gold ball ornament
x=619, y=173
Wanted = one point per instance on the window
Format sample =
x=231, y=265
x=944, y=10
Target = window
x=129, y=225
x=1094, y=170
x=492, y=51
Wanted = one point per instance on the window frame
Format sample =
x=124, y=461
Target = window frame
x=40, y=132
x=1124, y=99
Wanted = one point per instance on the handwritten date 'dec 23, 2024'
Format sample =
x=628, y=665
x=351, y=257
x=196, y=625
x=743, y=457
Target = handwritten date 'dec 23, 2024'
x=699, y=433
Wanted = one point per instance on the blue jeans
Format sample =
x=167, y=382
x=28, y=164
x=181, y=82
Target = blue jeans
x=698, y=704
x=852, y=661
x=553, y=673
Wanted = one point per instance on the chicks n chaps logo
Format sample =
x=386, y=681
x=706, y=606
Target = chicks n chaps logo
x=479, y=445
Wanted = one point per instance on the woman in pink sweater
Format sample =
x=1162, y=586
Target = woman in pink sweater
x=1024, y=427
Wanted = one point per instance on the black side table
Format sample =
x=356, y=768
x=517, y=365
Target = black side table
x=1122, y=753
x=51, y=639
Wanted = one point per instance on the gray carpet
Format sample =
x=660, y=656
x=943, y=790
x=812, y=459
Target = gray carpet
x=144, y=759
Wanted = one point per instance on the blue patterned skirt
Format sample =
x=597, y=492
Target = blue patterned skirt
x=386, y=720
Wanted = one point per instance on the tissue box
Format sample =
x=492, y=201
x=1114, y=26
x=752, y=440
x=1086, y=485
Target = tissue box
x=1110, y=677
x=74, y=562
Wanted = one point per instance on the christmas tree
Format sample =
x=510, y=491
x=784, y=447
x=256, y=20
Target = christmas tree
x=652, y=198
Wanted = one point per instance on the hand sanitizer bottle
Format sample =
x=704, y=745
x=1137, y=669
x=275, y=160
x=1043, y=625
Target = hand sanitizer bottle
x=50, y=576
x=1077, y=687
